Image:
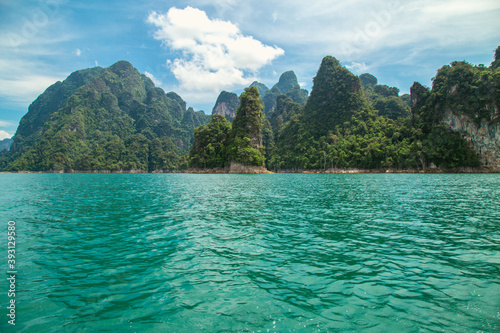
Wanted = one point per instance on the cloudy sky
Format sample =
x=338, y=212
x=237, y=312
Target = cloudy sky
x=198, y=48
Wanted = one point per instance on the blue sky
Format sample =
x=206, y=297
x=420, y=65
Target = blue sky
x=198, y=48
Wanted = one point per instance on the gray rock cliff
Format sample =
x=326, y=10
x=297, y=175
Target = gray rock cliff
x=226, y=105
x=484, y=137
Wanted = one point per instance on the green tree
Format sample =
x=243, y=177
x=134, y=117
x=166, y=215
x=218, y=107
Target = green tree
x=246, y=146
x=496, y=63
x=211, y=143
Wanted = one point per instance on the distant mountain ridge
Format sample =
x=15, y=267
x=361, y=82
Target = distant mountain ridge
x=288, y=85
x=5, y=144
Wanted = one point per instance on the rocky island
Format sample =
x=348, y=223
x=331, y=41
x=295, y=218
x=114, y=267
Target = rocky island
x=115, y=120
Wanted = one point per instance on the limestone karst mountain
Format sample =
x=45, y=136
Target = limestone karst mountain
x=105, y=119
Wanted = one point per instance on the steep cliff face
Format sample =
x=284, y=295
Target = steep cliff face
x=226, y=105
x=483, y=137
x=249, y=119
x=466, y=99
x=235, y=148
x=246, y=147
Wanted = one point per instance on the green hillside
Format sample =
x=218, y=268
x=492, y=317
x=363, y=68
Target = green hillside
x=109, y=119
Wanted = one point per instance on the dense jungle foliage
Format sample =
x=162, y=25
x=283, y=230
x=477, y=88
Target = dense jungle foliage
x=219, y=143
x=116, y=119
x=104, y=119
x=351, y=121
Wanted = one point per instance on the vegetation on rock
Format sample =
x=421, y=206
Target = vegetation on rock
x=340, y=128
x=218, y=144
x=105, y=119
x=116, y=119
x=211, y=144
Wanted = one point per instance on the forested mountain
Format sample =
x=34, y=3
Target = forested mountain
x=5, y=144
x=385, y=99
x=55, y=97
x=246, y=146
x=287, y=85
x=261, y=87
x=354, y=122
x=339, y=127
x=104, y=119
x=116, y=119
x=464, y=98
x=221, y=143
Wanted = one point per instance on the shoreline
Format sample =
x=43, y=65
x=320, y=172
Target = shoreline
x=261, y=170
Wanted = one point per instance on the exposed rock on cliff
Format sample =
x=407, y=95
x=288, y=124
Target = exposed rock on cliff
x=484, y=137
x=465, y=98
x=226, y=105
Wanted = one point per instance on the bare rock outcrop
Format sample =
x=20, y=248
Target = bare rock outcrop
x=483, y=137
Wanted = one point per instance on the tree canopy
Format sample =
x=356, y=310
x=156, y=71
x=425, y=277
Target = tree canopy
x=116, y=119
x=218, y=144
x=104, y=119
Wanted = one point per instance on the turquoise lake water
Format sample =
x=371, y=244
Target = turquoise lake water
x=250, y=253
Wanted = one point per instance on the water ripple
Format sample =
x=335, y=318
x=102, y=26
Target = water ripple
x=225, y=253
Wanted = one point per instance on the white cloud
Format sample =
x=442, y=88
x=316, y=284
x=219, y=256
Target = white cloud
x=357, y=67
x=22, y=81
x=26, y=88
x=25, y=72
x=5, y=135
x=78, y=52
x=356, y=30
x=152, y=78
x=446, y=9
x=215, y=55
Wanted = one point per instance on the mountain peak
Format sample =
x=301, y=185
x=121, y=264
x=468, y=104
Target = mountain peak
x=226, y=105
x=121, y=67
x=335, y=97
x=287, y=81
x=263, y=89
x=108, y=119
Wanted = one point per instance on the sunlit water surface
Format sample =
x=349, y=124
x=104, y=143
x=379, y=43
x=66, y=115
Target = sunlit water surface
x=277, y=253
